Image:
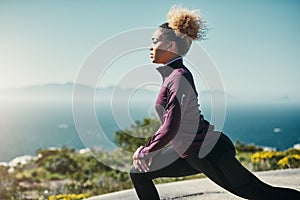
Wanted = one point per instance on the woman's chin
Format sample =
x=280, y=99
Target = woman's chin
x=155, y=61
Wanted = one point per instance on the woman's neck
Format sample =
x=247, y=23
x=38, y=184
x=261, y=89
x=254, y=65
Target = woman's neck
x=173, y=60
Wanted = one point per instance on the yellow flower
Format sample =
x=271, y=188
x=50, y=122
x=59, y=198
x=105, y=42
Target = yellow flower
x=264, y=155
x=68, y=197
x=289, y=161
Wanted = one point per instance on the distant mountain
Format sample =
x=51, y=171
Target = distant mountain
x=55, y=91
x=64, y=92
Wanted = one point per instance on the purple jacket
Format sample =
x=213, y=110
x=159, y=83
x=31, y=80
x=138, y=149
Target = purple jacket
x=177, y=107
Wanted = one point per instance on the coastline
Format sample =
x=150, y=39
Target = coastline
x=26, y=158
x=23, y=159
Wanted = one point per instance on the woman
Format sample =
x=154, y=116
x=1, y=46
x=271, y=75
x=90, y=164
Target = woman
x=173, y=150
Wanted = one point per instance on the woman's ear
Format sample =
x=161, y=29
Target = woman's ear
x=172, y=47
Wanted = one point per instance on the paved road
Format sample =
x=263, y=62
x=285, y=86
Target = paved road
x=205, y=189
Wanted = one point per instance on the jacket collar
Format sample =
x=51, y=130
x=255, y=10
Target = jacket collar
x=167, y=69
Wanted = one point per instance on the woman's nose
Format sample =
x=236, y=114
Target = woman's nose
x=150, y=48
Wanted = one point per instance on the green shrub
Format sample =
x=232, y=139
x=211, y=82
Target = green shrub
x=138, y=135
x=250, y=148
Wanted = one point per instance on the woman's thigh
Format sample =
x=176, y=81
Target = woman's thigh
x=221, y=166
x=168, y=164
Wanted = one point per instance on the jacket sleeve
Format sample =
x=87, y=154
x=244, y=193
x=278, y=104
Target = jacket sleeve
x=177, y=101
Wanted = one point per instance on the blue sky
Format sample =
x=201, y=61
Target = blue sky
x=255, y=44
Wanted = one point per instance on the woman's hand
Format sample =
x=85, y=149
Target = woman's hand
x=141, y=164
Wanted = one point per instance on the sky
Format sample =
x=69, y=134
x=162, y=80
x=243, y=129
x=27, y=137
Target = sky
x=254, y=44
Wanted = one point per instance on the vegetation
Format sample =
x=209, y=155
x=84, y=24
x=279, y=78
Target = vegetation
x=68, y=196
x=65, y=173
x=267, y=160
x=138, y=135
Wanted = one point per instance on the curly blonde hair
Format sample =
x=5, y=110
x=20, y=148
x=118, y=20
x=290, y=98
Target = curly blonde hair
x=187, y=23
x=183, y=27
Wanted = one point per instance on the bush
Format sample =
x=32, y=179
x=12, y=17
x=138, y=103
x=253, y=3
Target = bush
x=7, y=184
x=290, y=161
x=68, y=197
x=58, y=161
x=250, y=148
x=138, y=135
x=268, y=160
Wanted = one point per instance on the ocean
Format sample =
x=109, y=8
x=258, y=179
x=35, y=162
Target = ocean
x=28, y=126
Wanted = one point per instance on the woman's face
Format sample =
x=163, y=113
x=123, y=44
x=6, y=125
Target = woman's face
x=161, y=49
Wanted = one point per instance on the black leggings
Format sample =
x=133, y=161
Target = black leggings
x=220, y=165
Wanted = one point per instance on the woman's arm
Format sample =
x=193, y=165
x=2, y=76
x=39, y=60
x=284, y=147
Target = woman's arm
x=179, y=91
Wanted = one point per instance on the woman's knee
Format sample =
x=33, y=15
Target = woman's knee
x=134, y=173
